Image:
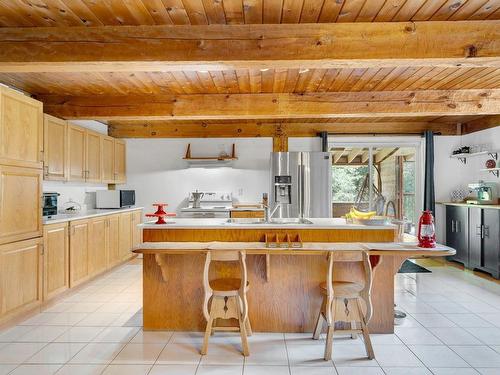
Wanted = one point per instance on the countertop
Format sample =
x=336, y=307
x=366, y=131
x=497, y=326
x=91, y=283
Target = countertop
x=221, y=209
x=493, y=206
x=61, y=218
x=317, y=223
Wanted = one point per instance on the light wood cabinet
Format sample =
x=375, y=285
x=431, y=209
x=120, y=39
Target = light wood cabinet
x=55, y=259
x=97, y=248
x=20, y=203
x=120, y=163
x=20, y=277
x=21, y=129
x=55, y=149
x=78, y=252
x=73, y=153
x=108, y=160
x=76, y=143
x=93, y=157
x=125, y=225
x=113, y=240
x=136, y=231
x=247, y=214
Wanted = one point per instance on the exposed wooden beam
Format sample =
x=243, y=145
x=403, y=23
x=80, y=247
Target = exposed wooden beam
x=353, y=154
x=365, y=156
x=481, y=124
x=223, y=47
x=269, y=106
x=384, y=154
x=338, y=155
x=166, y=129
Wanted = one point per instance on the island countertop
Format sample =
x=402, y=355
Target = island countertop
x=317, y=223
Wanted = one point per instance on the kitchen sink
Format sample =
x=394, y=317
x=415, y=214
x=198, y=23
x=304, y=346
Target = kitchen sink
x=290, y=221
x=277, y=221
x=246, y=220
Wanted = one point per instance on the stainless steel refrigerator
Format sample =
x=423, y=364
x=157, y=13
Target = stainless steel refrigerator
x=301, y=183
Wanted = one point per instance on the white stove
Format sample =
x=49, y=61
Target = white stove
x=213, y=204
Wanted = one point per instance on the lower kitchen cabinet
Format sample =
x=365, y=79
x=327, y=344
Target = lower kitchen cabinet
x=474, y=233
x=125, y=225
x=98, y=249
x=79, y=252
x=136, y=231
x=55, y=259
x=20, y=277
x=113, y=240
x=484, y=242
x=457, y=233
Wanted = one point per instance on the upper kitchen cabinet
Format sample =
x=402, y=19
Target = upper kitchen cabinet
x=120, y=167
x=20, y=203
x=55, y=149
x=93, y=156
x=108, y=160
x=21, y=130
x=76, y=143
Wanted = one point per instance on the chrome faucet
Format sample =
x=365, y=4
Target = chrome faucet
x=269, y=213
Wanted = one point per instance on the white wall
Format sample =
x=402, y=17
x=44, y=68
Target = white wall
x=77, y=191
x=156, y=171
x=450, y=174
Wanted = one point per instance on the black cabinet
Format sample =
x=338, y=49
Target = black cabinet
x=457, y=233
x=484, y=243
x=475, y=237
x=475, y=234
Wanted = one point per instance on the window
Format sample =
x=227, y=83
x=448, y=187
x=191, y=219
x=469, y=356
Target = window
x=376, y=176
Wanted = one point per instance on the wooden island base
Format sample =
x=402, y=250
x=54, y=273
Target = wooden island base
x=288, y=302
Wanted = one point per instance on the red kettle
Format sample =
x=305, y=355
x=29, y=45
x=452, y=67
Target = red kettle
x=426, y=230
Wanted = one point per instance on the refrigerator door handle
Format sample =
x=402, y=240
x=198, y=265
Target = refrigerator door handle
x=300, y=174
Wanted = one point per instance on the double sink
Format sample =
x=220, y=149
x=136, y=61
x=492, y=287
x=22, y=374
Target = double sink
x=277, y=221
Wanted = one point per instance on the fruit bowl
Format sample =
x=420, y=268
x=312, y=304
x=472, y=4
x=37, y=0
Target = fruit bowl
x=374, y=220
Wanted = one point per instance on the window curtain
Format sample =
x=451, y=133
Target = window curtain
x=429, y=199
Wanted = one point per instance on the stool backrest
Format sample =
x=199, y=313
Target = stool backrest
x=352, y=257
x=225, y=256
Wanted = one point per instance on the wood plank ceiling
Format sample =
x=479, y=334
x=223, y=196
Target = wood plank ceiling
x=300, y=79
x=16, y=13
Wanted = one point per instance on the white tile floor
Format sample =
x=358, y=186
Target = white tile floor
x=453, y=327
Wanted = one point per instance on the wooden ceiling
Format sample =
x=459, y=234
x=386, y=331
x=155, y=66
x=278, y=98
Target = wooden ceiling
x=246, y=81
x=17, y=13
x=153, y=68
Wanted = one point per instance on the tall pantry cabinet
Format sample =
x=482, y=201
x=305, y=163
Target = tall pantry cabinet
x=21, y=230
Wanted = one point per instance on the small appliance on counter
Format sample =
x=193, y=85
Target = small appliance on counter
x=197, y=195
x=114, y=198
x=486, y=193
x=50, y=204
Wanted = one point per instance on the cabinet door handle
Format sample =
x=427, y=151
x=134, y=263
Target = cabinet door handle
x=452, y=226
x=482, y=231
x=457, y=226
x=479, y=230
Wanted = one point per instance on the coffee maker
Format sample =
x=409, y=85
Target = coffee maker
x=485, y=193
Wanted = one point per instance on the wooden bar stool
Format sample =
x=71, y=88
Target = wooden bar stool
x=228, y=298
x=343, y=302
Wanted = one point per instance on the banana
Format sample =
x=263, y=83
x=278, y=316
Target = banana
x=362, y=215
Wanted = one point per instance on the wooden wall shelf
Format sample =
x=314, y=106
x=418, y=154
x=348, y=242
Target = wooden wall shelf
x=213, y=161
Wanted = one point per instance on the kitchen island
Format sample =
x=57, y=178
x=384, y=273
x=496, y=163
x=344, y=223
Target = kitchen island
x=284, y=294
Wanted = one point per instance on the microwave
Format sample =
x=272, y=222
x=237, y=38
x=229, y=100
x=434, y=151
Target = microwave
x=114, y=198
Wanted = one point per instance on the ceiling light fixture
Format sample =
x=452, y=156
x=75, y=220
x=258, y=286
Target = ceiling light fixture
x=303, y=71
